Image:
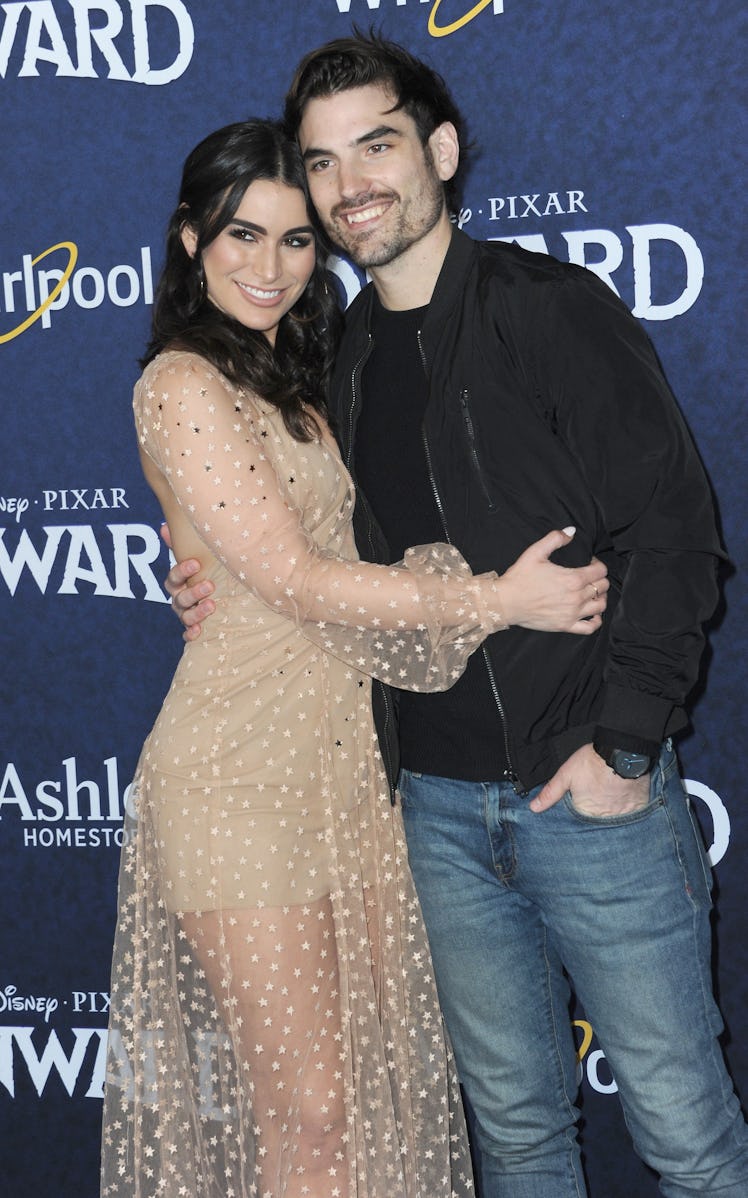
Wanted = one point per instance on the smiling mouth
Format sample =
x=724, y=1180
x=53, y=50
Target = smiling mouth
x=259, y=293
x=366, y=214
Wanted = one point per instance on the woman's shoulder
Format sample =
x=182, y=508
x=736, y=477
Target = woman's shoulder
x=184, y=374
x=181, y=366
x=180, y=383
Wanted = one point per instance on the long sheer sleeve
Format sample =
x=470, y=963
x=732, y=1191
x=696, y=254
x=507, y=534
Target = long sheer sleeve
x=412, y=625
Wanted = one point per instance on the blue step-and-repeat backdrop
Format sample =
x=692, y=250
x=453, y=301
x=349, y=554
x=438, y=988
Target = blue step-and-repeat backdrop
x=608, y=133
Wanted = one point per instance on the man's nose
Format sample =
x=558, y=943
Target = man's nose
x=352, y=179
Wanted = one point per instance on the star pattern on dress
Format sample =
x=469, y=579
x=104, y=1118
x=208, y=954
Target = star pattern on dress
x=275, y=1029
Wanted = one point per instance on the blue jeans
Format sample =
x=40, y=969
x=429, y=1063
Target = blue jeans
x=511, y=899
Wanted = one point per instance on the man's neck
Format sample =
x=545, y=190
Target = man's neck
x=409, y=280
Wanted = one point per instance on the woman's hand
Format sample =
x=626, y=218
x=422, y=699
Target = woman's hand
x=536, y=593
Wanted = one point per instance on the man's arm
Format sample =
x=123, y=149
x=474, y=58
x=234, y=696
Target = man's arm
x=191, y=603
x=615, y=412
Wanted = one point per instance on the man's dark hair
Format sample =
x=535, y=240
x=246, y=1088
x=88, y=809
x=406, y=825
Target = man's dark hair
x=366, y=59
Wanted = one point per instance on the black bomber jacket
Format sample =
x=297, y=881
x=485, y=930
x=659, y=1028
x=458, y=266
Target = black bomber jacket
x=548, y=408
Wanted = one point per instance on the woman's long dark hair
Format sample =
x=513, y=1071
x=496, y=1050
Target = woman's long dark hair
x=293, y=372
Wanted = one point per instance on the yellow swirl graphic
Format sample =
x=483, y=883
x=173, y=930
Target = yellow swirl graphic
x=444, y=30
x=72, y=249
x=586, y=1037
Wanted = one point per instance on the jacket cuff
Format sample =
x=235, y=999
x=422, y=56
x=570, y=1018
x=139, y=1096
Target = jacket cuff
x=607, y=739
x=634, y=714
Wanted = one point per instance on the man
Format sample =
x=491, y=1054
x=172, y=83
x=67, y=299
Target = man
x=483, y=394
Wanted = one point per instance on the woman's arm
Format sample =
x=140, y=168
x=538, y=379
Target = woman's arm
x=412, y=625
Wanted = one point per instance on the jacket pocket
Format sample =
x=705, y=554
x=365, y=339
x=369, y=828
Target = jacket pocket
x=469, y=427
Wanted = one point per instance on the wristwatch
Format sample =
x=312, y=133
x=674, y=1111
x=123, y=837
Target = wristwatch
x=625, y=763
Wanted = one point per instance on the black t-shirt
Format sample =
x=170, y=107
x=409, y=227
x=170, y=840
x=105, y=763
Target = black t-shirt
x=455, y=733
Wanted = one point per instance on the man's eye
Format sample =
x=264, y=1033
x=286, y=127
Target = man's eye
x=320, y=165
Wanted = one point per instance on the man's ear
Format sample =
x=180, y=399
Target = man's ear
x=445, y=148
x=189, y=239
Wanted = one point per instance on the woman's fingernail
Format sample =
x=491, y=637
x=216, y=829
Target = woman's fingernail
x=569, y=531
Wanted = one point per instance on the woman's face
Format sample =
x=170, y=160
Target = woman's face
x=258, y=266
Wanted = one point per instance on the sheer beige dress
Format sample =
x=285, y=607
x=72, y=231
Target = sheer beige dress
x=274, y=1022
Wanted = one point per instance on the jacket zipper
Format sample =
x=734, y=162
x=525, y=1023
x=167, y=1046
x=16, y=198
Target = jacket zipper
x=510, y=773
x=470, y=429
x=352, y=408
x=354, y=398
x=384, y=744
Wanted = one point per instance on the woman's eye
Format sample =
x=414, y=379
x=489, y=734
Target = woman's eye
x=242, y=234
x=299, y=243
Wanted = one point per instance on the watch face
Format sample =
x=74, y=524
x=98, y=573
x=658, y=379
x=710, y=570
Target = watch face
x=629, y=765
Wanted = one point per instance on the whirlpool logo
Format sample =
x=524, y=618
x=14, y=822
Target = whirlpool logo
x=138, y=41
x=445, y=16
x=47, y=282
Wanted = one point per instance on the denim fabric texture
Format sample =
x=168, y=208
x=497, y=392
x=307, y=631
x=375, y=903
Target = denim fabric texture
x=513, y=899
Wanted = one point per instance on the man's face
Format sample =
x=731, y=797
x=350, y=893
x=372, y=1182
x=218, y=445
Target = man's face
x=376, y=188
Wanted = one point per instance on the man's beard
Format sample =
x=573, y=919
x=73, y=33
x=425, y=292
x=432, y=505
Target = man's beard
x=366, y=250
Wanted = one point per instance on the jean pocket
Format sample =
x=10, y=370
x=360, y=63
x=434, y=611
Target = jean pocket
x=628, y=817
x=654, y=801
x=404, y=786
x=660, y=778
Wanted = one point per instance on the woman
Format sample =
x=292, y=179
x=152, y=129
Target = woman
x=275, y=1028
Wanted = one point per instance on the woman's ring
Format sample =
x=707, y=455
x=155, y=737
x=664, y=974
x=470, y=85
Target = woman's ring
x=595, y=590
